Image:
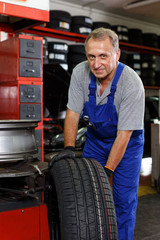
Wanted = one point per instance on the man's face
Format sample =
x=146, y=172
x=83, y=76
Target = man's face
x=102, y=58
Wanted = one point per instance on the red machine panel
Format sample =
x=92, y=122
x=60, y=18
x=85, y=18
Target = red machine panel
x=26, y=223
x=23, y=100
x=34, y=10
x=16, y=96
x=21, y=58
x=21, y=87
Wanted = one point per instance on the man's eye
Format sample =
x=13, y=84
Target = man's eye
x=91, y=57
x=103, y=56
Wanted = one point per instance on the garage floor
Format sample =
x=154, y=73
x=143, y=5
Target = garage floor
x=148, y=211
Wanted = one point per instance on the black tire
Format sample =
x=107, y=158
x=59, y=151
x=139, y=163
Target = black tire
x=150, y=39
x=134, y=57
x=134, y=65
x=148, y=81
x=60, y=15
x=82, y=20
x=101, y=24
x=81, y=29
x=77, y=48
x=76, y=58
x=55, y=57
x=157, y=78
x=148, y=65
x=58, y=47
x=148, y=57
x=135, y=36
x=123, y=57
x=71, y=66
x=120, y=29
x=122, y=32
x=80, y=204
x=58, y=24
x=148, y=73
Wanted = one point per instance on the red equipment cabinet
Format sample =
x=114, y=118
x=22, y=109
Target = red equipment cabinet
x=24, y=223
x=21, y=58
x=21, y=85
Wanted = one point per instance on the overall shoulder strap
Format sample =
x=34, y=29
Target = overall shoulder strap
x=117, y=74
x=92, y=89
x=119, y=70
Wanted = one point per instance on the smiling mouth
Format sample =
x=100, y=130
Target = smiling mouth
x=98, y=70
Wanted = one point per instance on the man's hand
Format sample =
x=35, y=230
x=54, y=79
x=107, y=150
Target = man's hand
x=108, y=171
x=68, y=152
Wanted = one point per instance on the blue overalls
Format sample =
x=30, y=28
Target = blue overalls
x=99, y=140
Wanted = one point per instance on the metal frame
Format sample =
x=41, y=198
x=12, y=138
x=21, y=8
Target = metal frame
x=29, y=17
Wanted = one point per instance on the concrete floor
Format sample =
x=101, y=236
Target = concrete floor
x=148, y=212
x=148, y=218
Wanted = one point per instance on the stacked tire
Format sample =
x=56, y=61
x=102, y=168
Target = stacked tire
x=134, y=61
x=151, y=40
x=122, y=32
x=157, y=72
x=148, y=66
x=123, y=56
x=76, y=55
x=81, y=24
x=60, y=20
x=58, y=53
x=135, y=36
x=80, y=204
x=101, y=24
x=157, y=78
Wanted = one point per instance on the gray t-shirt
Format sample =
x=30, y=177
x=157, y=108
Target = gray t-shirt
x=129, y=96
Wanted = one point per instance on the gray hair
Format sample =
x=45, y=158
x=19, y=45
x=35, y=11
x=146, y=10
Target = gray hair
x=101, y=34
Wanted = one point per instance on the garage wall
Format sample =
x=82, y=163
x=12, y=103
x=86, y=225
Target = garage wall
x=98, y=15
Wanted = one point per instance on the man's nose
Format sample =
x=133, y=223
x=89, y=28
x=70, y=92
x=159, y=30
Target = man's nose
x=97, y=63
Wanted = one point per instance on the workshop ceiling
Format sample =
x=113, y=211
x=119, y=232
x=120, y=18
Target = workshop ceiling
x=145, y=10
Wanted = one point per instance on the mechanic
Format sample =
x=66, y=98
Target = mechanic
x=110, y=97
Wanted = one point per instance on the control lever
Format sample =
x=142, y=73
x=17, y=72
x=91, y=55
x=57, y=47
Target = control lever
x=37, y=168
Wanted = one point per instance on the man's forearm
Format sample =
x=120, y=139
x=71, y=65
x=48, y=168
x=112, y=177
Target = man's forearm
x=70, y=128
x=118, y=149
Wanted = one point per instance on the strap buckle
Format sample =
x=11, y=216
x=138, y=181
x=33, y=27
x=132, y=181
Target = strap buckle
x=92, y=88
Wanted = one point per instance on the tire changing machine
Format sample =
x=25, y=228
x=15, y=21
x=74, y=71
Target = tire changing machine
x=23, y=213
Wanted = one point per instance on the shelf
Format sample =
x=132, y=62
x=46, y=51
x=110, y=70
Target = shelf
x=15, y=17
x=53, y=33
x=152, y=87
x=139, y=48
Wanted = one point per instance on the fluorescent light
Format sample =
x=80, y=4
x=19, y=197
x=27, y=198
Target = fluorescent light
x=134, y=3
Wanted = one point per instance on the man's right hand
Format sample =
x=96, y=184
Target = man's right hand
x=108, y=171
x=68, y=152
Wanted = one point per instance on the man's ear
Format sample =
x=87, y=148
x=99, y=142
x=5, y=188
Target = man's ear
x=118, y=54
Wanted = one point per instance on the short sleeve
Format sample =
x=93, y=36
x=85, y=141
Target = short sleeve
x=131, y=108
x=76, y=92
